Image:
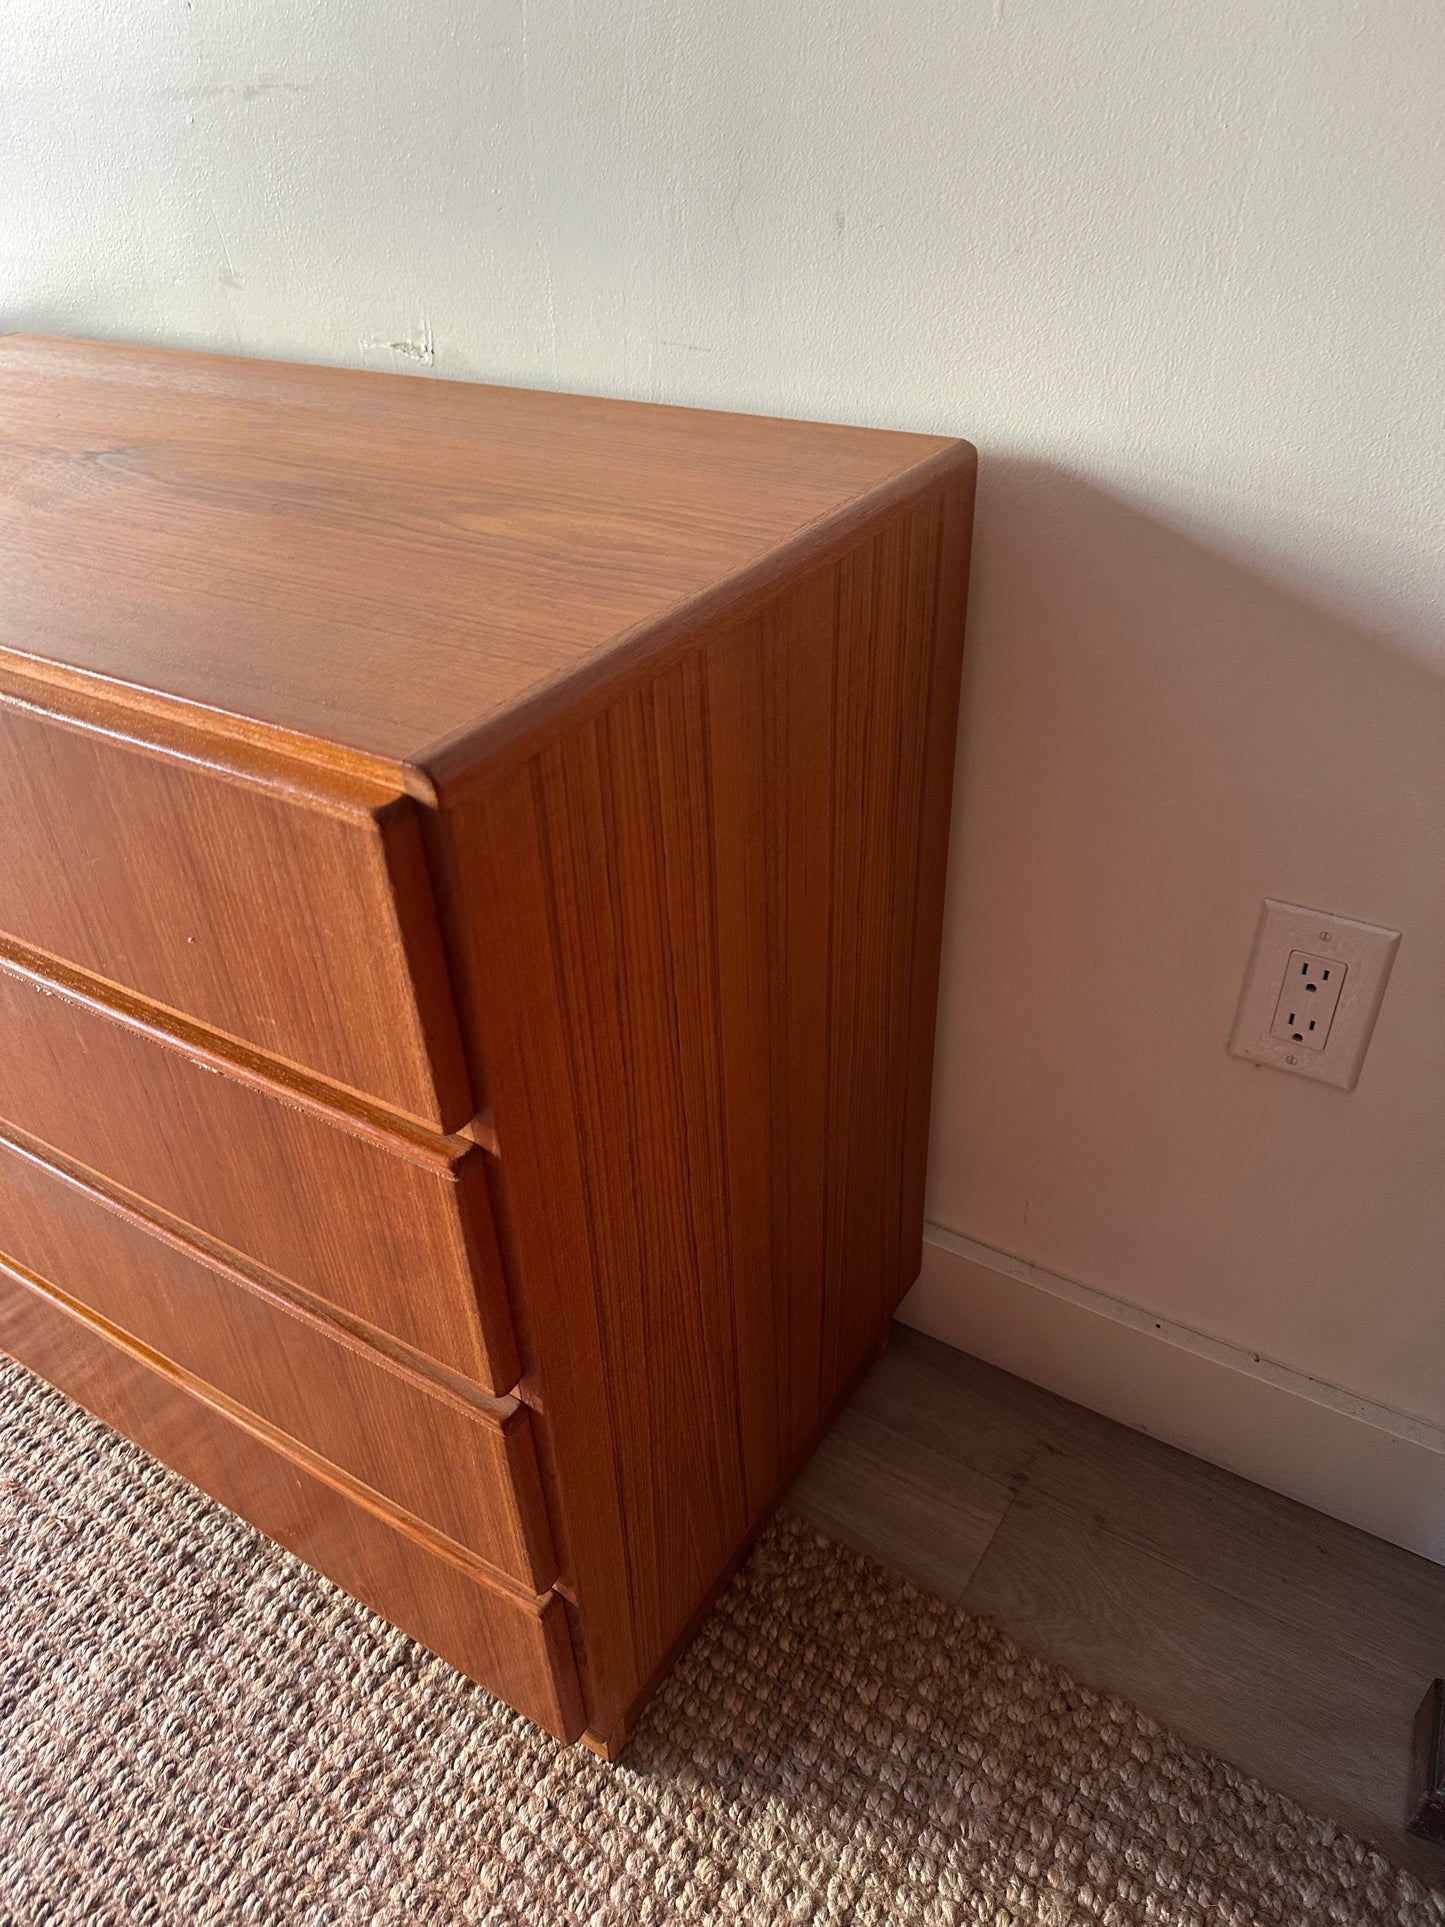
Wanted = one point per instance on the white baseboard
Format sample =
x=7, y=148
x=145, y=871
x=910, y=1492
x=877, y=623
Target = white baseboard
x=1349, y=1456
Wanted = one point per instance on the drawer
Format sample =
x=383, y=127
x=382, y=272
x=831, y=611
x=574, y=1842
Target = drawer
x=517, y=1646
x=394, y=1229
x=466, y=1466
x=291, y=911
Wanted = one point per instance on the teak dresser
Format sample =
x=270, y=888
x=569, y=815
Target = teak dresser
x=471, y=868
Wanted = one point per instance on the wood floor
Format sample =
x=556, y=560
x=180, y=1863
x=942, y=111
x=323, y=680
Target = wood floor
x=1292, y=1645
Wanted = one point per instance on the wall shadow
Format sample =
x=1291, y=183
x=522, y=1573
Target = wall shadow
x=1154, y=738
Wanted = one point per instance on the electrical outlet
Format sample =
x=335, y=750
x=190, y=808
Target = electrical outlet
x=1306, y=1006
x=1312, y=992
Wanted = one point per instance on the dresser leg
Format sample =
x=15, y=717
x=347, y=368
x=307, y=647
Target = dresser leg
x=608, y=1747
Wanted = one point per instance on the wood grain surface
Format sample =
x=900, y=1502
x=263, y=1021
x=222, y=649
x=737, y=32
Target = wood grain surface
x=297, y=920
x=375, y=561
x=465, y=1466
x=706, y=919
x=400, y=768
x=1290, y=1644
x=515, y=1646
x=906, y=1508
x=399, y=1236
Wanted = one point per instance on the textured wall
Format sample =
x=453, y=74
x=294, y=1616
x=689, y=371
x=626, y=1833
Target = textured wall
x=1176, y=270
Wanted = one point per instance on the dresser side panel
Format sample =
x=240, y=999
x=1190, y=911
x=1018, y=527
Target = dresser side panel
x=701, y=926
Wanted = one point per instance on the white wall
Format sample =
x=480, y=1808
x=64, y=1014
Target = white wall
x=1177, y=270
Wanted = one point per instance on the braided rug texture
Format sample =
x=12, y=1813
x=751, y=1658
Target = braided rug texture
x=194, y=1728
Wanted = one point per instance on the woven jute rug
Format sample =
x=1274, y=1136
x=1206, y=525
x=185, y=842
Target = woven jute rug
x=194, y=1728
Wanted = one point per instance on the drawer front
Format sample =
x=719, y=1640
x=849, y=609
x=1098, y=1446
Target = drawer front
x=466, y=1467
x=297, y=921
x=391, y=1232
x=514, y=1645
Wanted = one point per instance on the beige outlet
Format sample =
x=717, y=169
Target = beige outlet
x=1311, y=992
x=1305, y=1013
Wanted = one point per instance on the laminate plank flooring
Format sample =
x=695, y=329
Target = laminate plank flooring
x=1289, y=1643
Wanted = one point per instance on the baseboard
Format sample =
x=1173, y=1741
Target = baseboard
x=1377, y=1468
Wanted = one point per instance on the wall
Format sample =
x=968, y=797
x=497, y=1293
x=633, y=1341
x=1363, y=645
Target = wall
x=1176, y=270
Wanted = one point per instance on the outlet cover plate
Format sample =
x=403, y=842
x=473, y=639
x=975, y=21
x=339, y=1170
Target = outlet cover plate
x=1368, y=951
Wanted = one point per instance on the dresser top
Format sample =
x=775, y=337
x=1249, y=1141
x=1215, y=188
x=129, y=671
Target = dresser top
x=381, y=564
